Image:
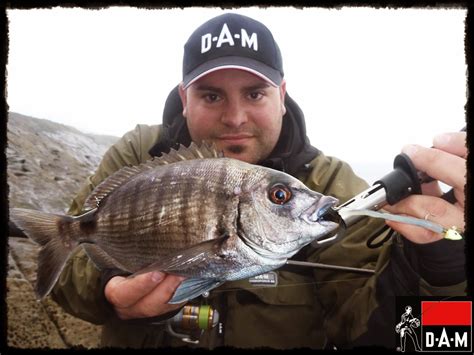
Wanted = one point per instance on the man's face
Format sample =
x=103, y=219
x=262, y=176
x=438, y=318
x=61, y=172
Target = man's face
x=241, y=113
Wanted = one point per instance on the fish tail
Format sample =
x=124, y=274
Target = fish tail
x=56, y=238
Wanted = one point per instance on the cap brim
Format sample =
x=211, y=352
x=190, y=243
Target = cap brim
x=272, y=76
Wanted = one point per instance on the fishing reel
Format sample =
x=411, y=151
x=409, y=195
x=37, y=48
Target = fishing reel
x=192, y=321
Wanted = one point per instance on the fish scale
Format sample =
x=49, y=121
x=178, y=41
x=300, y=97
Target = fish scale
x=176, y=199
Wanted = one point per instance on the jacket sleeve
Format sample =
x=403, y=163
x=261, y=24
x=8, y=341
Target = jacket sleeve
x=360, y=308
x=79, y=289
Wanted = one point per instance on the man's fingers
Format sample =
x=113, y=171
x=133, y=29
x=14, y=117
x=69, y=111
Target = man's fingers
x=454, y=143
x=415, y=234
x=155, y=302
x=144, y=295
x=123, y=292
x=432, y=189
x=440, y=165
x=446, y=162
x=432, y=208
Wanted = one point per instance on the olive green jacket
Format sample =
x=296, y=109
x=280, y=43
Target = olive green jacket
x=308, y=308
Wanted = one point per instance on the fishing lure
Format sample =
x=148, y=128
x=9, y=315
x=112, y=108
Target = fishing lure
x=448, y=233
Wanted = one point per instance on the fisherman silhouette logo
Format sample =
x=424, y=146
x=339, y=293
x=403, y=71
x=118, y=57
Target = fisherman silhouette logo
x=406, y=328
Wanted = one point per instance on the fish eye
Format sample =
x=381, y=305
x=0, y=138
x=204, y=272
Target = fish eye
x=279, y=194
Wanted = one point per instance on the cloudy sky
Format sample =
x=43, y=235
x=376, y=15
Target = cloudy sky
x=369, y=81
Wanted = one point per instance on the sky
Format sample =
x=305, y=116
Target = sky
x=368, y=80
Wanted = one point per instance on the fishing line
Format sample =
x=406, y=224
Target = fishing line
x=233, y=289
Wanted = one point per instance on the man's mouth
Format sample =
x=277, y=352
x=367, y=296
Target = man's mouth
x=234, y=138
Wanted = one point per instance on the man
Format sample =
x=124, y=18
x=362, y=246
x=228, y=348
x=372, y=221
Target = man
x=233, y=93
x=405, y=327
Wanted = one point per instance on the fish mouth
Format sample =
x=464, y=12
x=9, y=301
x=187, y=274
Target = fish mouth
x=323, y=211
x=331, y=215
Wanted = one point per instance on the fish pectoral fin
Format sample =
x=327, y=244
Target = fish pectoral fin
x=186, y=259
x=192, y=288
x=101, y=259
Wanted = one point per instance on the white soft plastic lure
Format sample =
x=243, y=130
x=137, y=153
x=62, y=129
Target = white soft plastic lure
x=448, y=233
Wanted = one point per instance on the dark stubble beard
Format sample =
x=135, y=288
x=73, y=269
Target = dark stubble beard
x=236, y=149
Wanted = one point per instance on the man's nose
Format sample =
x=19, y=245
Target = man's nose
x=234, y=114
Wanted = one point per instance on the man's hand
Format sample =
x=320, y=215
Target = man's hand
x=142, y=296
x=445, y=162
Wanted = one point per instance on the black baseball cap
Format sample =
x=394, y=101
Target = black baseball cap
x=232, y=41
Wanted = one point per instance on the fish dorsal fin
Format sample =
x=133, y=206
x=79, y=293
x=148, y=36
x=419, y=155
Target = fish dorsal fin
x=206, y=150
x=108, y=185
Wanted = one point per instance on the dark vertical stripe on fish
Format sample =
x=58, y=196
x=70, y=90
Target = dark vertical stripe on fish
x=188, y=196
x=222, y=182
x=168, y=193
x=239, y=225
x=88, y=224
x=134, y=203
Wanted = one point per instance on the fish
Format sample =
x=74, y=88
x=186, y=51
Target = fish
x=191, y=212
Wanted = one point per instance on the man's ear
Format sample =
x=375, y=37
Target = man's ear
x=182, y=95
x=282, y=96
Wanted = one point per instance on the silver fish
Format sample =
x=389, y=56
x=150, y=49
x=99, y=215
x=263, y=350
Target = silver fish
x=191, y=212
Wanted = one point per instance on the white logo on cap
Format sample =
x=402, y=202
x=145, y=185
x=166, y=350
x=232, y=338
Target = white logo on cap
x=226, y=37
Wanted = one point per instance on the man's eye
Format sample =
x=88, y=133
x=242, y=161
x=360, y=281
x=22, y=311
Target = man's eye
x=255, y=95
x=211, y=97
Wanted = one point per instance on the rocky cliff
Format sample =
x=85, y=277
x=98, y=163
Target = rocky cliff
x=47, y=164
